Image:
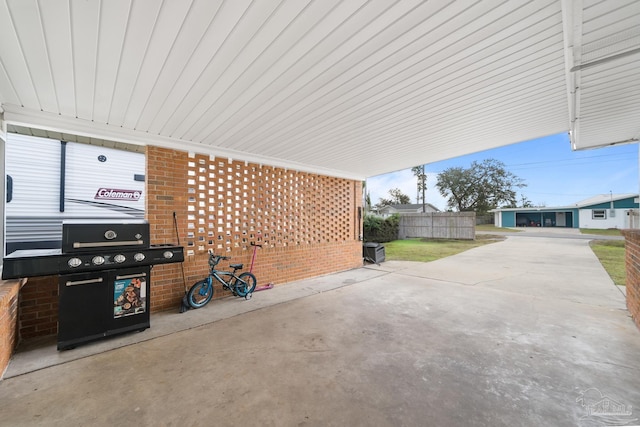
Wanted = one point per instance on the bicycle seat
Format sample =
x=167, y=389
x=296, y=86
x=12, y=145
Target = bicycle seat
x=236, y=266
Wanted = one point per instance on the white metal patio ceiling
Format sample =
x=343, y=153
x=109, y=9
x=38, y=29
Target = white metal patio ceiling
x=349, y=88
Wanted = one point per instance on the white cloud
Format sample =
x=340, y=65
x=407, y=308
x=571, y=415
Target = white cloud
x=379, y=186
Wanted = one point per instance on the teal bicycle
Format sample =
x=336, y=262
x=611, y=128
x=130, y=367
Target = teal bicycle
x=241, y=285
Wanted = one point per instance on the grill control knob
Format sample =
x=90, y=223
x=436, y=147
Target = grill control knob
x=119, y=258
x=139, y=257
x=74, y=262
x=98, y=260
x=167, y=254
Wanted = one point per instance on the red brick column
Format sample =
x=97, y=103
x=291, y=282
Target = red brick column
x=166, y=178
x=632, y=246
x=39, y=307
x=8, y=321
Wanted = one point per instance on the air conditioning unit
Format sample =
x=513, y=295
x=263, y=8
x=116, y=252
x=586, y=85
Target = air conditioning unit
x=373, y=252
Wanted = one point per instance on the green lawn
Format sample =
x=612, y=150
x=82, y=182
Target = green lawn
x=607, y=232
x=425, y=250
x=611, y=254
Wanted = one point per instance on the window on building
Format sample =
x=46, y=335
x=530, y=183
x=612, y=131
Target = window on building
x=599, y=214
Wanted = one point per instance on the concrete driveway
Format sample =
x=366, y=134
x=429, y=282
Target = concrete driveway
x=527, y=332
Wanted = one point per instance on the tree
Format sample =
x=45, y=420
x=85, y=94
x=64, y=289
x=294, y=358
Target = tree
x=480, y=188
x=397, y=198
x=421, y=175
x=366, y=197
x=524, y=203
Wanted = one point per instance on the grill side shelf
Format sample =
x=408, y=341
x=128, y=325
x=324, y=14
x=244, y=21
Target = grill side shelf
x=15, y=267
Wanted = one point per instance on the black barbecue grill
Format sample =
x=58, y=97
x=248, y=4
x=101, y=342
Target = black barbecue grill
x=104, y=277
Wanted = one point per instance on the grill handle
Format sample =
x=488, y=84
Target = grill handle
x=84, y=282
x=131, y=276
x=78, y=245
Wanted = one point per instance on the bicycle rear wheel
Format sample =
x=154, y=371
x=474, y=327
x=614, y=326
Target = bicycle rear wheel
x=200, y=294
x=245, y=284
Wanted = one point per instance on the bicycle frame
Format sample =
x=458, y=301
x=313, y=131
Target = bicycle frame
x=241, y=285
x=217, y=275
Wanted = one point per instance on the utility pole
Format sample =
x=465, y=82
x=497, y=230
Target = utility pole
x=424, y=190
x=419, y=173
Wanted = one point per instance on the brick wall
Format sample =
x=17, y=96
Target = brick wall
x=307, y=224
x=632, y=246
x=166, y=185
x=8, y=321
x=39, y=307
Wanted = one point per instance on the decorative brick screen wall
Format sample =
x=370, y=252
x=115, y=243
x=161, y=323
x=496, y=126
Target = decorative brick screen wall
x=632, y=246
x=307, y=224
x=231, y=204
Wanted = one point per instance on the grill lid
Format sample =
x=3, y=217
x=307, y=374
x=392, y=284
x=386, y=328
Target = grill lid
x=82, y=236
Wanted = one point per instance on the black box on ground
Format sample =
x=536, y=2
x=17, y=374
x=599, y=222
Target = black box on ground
x=373, y=251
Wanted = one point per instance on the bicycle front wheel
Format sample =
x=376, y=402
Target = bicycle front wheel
x=200, y=294
x=245, y=284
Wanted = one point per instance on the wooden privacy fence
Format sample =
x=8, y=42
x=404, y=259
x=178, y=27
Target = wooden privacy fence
x=438, y=225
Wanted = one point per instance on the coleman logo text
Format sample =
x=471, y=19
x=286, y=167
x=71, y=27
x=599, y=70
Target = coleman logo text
x=115, y=194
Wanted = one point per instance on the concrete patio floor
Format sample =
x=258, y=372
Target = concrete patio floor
x=528, y=331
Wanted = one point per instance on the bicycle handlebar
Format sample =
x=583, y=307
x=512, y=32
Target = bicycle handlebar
x=215, y=259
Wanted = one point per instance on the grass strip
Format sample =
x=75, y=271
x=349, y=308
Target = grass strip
x=425, y=250
x=611, y=254
x=601, y=232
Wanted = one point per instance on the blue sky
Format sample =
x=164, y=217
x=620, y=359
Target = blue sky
x=555, y=175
